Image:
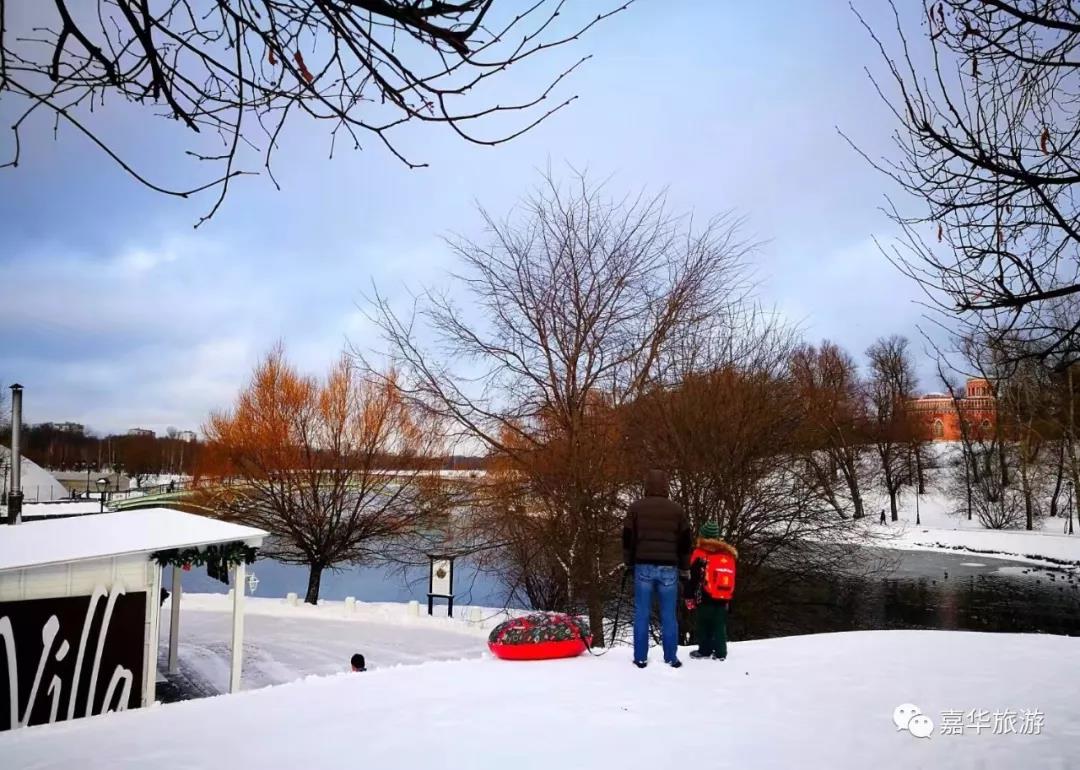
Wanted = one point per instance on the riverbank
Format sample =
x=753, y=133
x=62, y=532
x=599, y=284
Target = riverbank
x=939, y=528
x=829, y=699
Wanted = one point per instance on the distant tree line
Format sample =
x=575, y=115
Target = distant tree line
x=71, y=448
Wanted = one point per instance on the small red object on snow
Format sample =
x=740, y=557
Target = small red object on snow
x=187, y=567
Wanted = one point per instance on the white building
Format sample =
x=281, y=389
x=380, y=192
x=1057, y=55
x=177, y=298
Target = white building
x=80, y=605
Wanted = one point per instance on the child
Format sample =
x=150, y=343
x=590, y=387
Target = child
x=357, y=662
x=712, y=584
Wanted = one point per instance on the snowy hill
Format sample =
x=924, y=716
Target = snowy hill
x=813, y=701
x=37, y=483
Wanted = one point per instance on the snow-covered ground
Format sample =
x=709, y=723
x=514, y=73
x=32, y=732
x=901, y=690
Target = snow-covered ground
x=279, y=646
x=811, y=701
x=75, y=508
x=941, y=530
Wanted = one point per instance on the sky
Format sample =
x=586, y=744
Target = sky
x=116, y=312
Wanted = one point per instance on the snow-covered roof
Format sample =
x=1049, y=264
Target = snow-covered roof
x=58, y=541
x=37, y=483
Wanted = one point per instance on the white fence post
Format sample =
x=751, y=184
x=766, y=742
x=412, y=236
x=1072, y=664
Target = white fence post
x=237, y=628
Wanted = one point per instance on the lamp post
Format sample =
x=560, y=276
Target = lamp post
x=102, y=485
x=918, y=521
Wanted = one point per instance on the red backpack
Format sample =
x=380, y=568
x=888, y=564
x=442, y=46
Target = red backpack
x=718, y=582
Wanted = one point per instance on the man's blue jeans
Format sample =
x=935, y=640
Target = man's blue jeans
x=665, y=582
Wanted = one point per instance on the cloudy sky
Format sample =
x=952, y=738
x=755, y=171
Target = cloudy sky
x=116, y=312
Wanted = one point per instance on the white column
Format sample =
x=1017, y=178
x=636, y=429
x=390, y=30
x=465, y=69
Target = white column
x=155, y=627
x=174, y=618
x=237, y=627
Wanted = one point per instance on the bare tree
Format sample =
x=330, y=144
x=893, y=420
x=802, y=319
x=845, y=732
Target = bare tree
x=967, y=439
x=984, y=92
x=832, y=411
x=1025, y=408
x=233, y=71
x=319, y=465
x=890, y=388
x=571, y=306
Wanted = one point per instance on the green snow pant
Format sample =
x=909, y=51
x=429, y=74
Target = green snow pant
x=712, y=627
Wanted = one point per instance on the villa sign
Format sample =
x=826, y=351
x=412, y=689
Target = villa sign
x=68, y=657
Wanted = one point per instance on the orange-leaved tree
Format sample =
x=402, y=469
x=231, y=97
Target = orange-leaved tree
x=332, y=467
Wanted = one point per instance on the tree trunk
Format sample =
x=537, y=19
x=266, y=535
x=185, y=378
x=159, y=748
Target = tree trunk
x=596, y=616
x=1070, y=437
x=892, y=505
x=1028, y=506
x=1004, y=463
x=1059, y=478
x=851, y=472
x=314, y=579
x=967, y=477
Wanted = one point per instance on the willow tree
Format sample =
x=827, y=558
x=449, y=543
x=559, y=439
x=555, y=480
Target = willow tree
x=562, y=316
x=331, y=467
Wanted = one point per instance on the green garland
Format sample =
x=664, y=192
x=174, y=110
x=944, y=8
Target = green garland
x=229, y=553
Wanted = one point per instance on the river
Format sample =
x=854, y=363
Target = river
x=920, y=590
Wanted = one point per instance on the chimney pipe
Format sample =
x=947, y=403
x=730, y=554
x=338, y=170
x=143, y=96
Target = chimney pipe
x=15, y=494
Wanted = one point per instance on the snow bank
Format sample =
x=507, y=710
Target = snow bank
x=940, y=529
x=811, y=701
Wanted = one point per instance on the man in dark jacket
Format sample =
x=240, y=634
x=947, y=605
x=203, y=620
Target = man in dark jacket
x=656, y=543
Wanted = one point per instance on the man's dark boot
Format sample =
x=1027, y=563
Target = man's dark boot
x=699, y=655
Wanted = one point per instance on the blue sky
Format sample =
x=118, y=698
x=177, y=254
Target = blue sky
x=115, y=312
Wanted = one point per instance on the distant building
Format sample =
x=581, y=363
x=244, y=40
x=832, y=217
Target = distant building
x=942, y=418
x=141, y=432
x=186, y=435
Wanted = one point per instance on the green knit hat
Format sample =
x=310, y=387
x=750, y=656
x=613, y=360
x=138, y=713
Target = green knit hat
x=710, y=530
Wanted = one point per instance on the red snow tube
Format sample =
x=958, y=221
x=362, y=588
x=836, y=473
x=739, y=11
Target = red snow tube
x=540, y=636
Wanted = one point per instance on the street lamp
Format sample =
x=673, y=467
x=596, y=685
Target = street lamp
x=102, y=485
